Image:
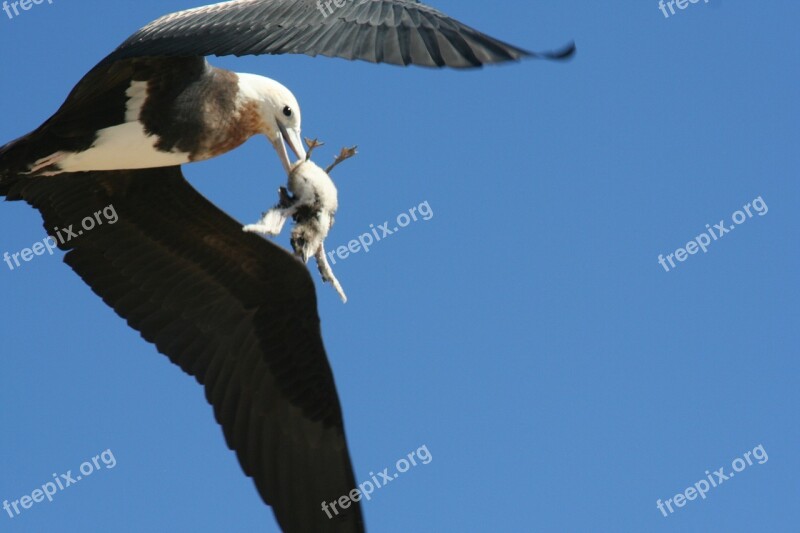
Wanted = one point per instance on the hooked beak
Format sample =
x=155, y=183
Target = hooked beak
x=292, y=138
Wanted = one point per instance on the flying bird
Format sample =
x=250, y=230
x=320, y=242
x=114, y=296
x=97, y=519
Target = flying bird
x=230, y=308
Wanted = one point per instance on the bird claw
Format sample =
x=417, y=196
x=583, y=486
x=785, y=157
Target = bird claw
x=312, y=143
x=344, y=155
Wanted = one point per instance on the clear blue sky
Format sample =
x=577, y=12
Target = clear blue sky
x=561, y=379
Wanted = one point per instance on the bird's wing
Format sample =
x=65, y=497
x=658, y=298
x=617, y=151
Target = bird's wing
x=400, y=32
x=230, y=308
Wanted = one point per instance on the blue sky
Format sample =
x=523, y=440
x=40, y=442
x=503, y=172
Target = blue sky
x=561, y=379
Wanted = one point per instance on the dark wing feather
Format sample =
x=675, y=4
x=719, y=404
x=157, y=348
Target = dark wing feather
x=399, y=32
x=230, y=308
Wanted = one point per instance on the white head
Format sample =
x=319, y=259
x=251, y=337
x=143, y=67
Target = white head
x=280, y=114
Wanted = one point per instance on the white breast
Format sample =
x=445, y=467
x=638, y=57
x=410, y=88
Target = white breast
x=126, y=146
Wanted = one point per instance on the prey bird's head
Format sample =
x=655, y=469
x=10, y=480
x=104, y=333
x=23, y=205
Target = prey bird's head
x=279, y=113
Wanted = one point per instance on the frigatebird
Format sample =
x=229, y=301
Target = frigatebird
x=230, y=308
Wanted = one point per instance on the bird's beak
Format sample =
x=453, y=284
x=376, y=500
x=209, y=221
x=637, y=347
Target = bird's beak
x=292, y=138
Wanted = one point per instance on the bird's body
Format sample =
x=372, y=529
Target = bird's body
x=230, y=308
x=125, y=146
x=168, y=111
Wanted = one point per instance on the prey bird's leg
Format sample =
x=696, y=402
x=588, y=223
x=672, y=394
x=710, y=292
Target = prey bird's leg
x=327, y=273
x=312, y=143
x=344, y=155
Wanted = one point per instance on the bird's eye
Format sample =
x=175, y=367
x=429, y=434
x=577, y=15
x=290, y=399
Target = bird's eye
x=287, y=111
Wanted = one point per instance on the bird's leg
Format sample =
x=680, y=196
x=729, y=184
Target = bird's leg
x=344, y=155
x=312, y=143
x=327, y=273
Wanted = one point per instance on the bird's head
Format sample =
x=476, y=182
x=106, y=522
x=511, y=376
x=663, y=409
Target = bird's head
x=279, y=113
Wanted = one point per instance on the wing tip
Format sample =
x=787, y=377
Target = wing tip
x=516, y=55
x=564, y=53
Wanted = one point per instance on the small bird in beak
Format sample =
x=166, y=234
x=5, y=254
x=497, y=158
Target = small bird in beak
x=311, y=199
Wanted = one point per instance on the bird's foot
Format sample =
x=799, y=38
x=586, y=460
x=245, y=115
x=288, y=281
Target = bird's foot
x=312, y=144
x=344, y=155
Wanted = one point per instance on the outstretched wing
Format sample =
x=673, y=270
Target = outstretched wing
x=400, y=32
x=230, y=308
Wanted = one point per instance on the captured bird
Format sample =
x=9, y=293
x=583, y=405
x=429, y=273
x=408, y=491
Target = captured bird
x=230, y=308
x=311, y=199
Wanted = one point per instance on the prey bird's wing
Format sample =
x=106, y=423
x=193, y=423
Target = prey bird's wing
x=230, y=308
x=399, y=32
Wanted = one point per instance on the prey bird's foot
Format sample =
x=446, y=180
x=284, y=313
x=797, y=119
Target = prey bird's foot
x=344, y=155
x=312, y=144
